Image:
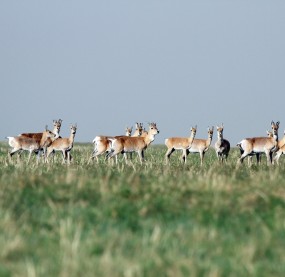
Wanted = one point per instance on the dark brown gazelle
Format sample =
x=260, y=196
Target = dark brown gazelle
x=222, y=146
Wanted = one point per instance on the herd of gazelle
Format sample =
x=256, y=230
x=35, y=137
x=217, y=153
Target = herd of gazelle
x=47, y=142
x=138, y=142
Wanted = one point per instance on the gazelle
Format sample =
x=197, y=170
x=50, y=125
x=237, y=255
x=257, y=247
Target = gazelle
x=129, y=131
x=133, y=144
x=267, y=145
x=179, y=143
x=64, y=145
x=201, y=146
x=258, y=155
x=281, y=150
x=30, y=144
x=222, y=146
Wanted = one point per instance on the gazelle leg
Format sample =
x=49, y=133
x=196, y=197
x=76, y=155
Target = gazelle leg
x=268, y=157
x=202, y=157
x=242, y=157
x=168, y=154
x=184, y=156
x=277, y=156
x=140, y=154
x=12, y=152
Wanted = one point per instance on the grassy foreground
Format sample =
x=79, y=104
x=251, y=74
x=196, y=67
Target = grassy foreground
x=141, y=220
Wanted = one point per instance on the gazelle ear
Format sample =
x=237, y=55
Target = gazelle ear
x=46, y=127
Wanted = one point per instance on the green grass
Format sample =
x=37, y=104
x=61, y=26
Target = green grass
x=153, y=219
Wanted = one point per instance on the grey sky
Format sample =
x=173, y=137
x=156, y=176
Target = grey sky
x=108, y=64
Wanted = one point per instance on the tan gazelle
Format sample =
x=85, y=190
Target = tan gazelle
x=133, y=144
x=20, y=143
x=64, y=145
x=201, y=146
x=179, y=143
x=280, y=151
x=258, y=155
x=222, y=146
x=258, y=145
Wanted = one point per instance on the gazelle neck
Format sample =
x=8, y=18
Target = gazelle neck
x=149, y=138
x=220, y=137
x=71, y=137
x=209, y=140
x=281, y=142
x=275, y=138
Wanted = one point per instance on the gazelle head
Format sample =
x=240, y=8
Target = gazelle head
x=139, y=130
x=48, y=134
x=57, y=126
x=210, y=132
x=275, y=127
x=153, y=129
x=220, y=130
x=193, y=131
x=129, y=131
x=73, y=129
x=269, y=134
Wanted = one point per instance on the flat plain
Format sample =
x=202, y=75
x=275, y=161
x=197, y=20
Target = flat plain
x=101, y=219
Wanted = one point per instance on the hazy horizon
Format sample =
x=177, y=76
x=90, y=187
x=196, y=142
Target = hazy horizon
x=106, y=65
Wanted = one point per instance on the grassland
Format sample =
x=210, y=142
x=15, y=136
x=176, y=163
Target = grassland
x=141, y=220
